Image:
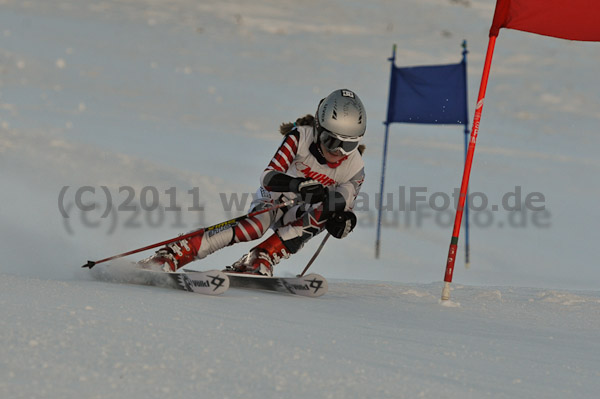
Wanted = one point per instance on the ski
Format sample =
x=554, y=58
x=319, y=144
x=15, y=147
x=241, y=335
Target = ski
x=311, y=285
x=211, y=282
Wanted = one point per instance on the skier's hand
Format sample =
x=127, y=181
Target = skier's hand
x=310, y=191
x=340, y=224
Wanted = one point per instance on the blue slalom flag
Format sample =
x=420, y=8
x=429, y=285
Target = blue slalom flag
x=434, y=94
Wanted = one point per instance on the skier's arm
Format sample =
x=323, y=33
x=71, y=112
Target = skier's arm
x=310, y=191
x=345, y=194
x=274, y=177
x=279, y=182
x=342, y=221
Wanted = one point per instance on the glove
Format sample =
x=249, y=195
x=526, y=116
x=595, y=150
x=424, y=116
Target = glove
x=340, y=224
x=310, y=191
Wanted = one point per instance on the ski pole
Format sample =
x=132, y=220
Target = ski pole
x=231, y=222
x=310, y=262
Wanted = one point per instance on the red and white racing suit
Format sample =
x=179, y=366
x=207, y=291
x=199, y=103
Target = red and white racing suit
x=297, y=157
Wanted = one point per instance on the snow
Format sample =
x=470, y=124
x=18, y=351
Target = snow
x=177, y=95
x=362, y=339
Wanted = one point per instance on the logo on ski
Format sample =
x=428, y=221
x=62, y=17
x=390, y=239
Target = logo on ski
x=315, y=285
x=312, y=285
x=188, y=283
x=184, y=282
x=217, y=282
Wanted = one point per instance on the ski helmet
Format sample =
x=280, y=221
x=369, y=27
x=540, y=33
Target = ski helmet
x=340, y=121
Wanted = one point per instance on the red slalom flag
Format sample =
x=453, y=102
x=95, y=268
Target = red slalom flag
x=565, y=19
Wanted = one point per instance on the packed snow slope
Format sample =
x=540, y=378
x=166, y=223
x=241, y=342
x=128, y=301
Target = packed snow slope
x=177, y=103
x=94, y=339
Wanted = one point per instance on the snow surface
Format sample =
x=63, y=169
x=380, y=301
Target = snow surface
x=65, y=339
x=189, y=94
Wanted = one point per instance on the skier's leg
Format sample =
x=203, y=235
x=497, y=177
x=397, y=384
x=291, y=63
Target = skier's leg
x=180, y=253
x=309, y=223
x=287, y=240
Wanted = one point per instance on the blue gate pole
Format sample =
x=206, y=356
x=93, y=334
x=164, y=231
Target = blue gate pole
x=467, y=133
x=385, y=146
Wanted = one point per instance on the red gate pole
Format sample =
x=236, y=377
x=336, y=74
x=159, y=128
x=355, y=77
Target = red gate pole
x=467, y=172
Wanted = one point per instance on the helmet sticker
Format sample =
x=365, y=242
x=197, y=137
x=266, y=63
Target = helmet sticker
x=347, y=93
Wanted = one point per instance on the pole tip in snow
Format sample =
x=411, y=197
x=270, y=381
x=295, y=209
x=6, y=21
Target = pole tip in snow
x=446, y=291
x=89, y=264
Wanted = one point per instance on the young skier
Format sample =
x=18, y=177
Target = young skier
x=319, y=166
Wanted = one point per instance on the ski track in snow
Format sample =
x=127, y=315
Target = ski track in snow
x=121, y=271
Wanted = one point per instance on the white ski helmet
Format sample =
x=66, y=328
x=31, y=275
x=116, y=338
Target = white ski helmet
x=340, y=121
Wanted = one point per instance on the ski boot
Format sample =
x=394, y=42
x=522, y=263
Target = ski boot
x=172, y=257
x=262, y=258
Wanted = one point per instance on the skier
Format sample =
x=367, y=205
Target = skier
x=319, y=165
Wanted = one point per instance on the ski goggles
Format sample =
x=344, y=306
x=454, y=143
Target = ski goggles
x=334, y=142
